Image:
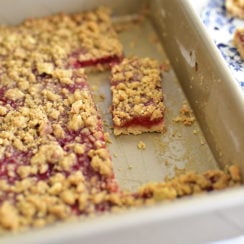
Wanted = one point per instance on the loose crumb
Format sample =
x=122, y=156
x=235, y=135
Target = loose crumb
x=141, y=145
x=130, y=167
x=186, y=116
x=107, y=137
x=165, y=66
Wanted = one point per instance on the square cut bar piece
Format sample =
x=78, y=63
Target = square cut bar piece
x=137, y=96
x=238, y=41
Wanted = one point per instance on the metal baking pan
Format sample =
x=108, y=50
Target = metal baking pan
x=198, y=76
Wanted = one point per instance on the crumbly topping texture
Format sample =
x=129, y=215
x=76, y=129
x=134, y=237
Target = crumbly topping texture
x=235, y=7
x=238, y=41
x=137, y=98
x=189, y=184
x=186, y=116
x=53, y=158
x=61, y=40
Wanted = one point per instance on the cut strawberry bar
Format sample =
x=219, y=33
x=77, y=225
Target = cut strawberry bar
x=54, y=163
x=238, y=41
x=137, y=98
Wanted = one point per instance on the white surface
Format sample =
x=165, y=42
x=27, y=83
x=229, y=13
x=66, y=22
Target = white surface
x=198, y=5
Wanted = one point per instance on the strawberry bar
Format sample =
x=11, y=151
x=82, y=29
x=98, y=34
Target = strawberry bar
x=54, y=163
x=137, y=98
x=238, y=41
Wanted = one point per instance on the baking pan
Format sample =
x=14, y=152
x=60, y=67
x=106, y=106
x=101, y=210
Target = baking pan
x=171, y=32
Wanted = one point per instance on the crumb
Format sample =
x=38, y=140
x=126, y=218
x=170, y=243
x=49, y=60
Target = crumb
x=153, y=38
x=202, y=142
x=130, y=167
x=94, y=87
x=132, y=44
x=186, y=116
x=122, y=26
x=179, y=171
x=102, y=97
x=141, y=145
x=165, y=66
x=107, y=137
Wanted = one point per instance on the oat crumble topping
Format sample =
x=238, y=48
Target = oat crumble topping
x=53, y=159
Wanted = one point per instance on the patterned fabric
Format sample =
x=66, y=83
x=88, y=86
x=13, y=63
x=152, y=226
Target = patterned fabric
x=221, y=27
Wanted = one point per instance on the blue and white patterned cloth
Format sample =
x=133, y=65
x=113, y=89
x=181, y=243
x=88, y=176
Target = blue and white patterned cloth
x=221, y=28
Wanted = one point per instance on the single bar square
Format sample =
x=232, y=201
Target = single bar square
x=238, y=41
x=137, y=96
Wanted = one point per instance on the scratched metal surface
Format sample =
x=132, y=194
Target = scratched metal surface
x=179, y=148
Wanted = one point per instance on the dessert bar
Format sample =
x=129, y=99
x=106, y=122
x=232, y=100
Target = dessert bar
x=137, y=97
x=54, y=163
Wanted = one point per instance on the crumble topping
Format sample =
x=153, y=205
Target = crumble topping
x=76, y=40
x=137, y=99
x=53, y=159
x=141, y=145
x=190, y=183
x=235, y=7
x=238, y=41
x=186, y=116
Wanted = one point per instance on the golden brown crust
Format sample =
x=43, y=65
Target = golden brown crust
x=137, y=99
